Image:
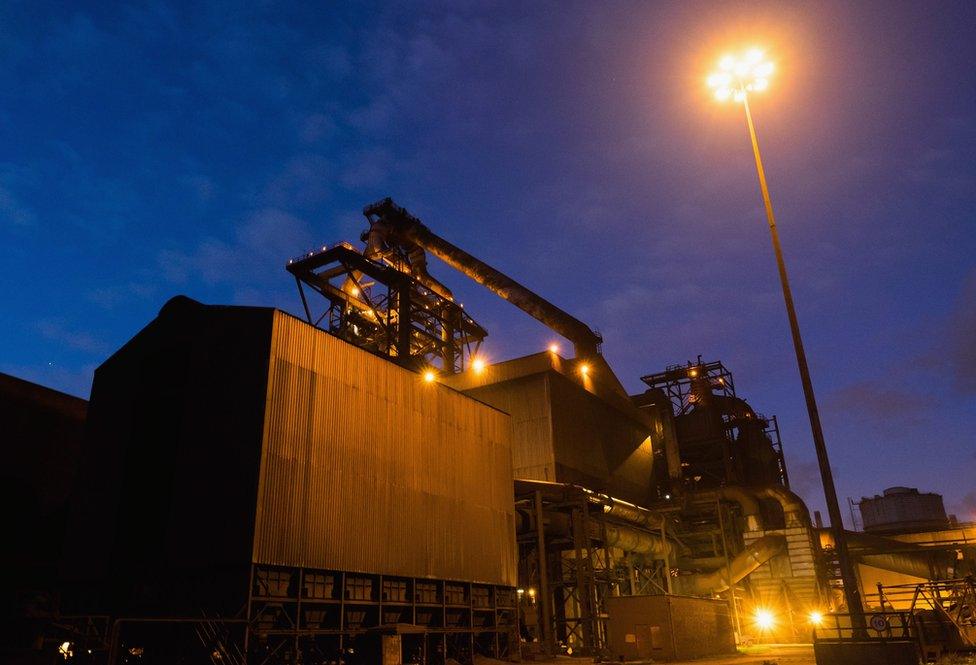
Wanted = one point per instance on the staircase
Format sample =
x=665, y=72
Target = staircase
x=217, y=638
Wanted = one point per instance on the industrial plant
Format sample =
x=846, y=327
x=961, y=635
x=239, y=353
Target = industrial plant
x=358, y=484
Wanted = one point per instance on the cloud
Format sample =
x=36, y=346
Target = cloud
x=372, y=118
x=200, y=185
x=110, y=297
x=56, y=331
x=153, y=18
x=366, y=168
x=72, y=380
x=965, y=508
x=805, y=480
x=878, y=401
x=332, y=60
x=950, y=353
x=962, y=339
x=303, y=181
x=262, y=244
x=316, y=127
x=13, y=211
x=62, y=179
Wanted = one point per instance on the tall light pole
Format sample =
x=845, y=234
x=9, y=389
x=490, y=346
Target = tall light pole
x=736, y=78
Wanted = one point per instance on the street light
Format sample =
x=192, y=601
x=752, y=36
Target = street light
x=737, y=77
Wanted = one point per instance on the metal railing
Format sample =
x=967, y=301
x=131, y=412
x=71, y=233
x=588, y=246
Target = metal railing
x=880, y=626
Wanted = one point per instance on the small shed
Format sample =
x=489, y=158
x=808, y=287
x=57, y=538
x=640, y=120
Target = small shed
x=668, y=627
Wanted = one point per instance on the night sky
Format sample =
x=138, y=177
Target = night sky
x=150, y=150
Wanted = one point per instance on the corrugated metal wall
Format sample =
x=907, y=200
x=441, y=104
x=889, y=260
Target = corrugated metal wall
x=367, y=468
x=527, y=401
x=561, y=431
x=595, y=445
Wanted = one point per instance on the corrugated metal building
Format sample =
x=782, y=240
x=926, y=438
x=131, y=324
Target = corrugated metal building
x=238, y=455
x=571, y=426
x=366, y=467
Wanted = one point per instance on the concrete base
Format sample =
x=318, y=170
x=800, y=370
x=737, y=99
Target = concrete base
x=868, y=652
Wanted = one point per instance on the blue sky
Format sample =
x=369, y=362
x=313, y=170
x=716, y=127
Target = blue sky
x=154, y=149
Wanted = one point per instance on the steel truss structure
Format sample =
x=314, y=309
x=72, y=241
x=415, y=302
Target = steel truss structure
x=709, y=386
x=304, y=615
x=678, y=381
x=299, y=615
x=378, y=305
x=569, y=574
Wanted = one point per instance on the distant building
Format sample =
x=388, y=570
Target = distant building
x=908, y=539
x=903, y=510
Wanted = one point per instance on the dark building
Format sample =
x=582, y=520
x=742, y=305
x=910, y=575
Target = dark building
x=244, y=463
x=42, y=438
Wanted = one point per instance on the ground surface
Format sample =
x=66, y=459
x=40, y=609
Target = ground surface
x=780, y=654
x=766, y=654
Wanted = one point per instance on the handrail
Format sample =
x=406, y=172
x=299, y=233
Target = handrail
x=888, y=625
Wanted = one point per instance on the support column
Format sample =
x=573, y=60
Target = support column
x=545, y=599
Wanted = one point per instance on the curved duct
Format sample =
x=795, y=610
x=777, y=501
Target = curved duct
x=742, y=565
x=794, y=509
x=745, y=498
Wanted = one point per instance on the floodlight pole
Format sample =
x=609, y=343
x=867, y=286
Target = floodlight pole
x=851, y=593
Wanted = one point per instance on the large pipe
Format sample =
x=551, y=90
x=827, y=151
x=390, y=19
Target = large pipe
x=736, y=494
x=633, y=540
x=744, y=563
x=795, y=510
x=900, y=557
x=391, y=222
x=621, y=536
x=628, y=512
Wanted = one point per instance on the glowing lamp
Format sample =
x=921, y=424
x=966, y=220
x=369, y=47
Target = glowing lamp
x=429, y=376
x=740, y=74
x=764, y=619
